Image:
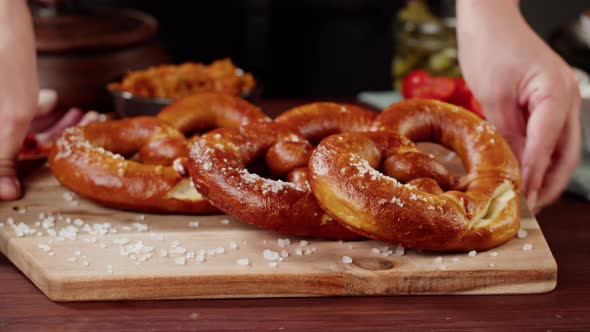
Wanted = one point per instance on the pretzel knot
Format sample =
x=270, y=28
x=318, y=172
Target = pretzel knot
x=220, y=165
x=91, y=160
x=380, y=185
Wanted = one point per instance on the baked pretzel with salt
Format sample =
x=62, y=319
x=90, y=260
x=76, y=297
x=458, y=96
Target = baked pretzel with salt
x=414, y=201
x=91, y=160
x=198, y=114
x=219, y=163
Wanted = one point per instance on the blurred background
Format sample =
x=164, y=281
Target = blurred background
x=325, y=48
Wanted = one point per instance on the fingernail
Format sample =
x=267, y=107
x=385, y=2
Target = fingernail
x=9, y=188
x=532, y=199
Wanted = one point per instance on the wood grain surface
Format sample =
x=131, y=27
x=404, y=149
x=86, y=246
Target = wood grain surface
x=75, y=250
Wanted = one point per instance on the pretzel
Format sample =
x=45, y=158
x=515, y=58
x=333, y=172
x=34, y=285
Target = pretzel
x=321, y=119
x=90, y=161
x=218, y=165
x=418, y=203
x=210, y=110
x=196, y=114
x=314, y=121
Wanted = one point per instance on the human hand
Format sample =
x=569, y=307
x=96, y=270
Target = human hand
x=45, y=127
x=18, y=89
x=527, y=91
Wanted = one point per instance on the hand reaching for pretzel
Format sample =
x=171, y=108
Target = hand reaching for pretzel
x=45, y=127
x=18, y=89
x=526, y=90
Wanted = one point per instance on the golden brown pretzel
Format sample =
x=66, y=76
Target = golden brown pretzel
x=314, y=121
x=321, y=119
x=478, y=211
x=194, y=115
x=218, y=166
x=210, y=110
x=90, y=161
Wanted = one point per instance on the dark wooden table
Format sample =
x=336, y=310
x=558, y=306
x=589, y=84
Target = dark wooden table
x=566, y=225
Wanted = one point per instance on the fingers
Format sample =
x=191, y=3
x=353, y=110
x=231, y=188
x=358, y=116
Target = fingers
x=509, y=121
x=9, y=186
x=11, y=138
x=547, y=120
x=567, y=157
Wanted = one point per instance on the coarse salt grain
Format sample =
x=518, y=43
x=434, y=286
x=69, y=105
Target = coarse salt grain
x=233, y=245
x=397, y=201
x=140, y=227
x=283, y=242
x=273, y=264
x=346, y=260
x=522, y=233
x=438, y=260
x=179, y=250
x=243, y=261
x=455, y=259
x=270, y=255
x=472, y=253
x=491, y=264
x=442, y=267
x=527, y=247
x=180, y=260
x=494, y=254
x=298, y=251
x=224, y=221
x=193, y=224
x=163, y=253
x=375, y=250
x=219, y=250
x=284, y=254
x=303, y=243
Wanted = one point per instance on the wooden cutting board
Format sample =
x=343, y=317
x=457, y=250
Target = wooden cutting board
x=75, y=250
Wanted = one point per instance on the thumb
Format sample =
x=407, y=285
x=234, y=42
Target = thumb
x=9, y=185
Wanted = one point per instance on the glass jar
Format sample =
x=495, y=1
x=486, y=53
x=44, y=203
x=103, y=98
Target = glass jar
x=423, y=41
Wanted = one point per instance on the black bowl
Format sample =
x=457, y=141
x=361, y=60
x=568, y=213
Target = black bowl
x=128, y=105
